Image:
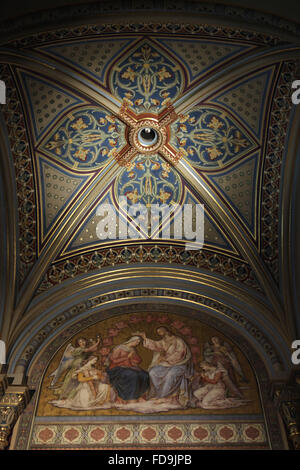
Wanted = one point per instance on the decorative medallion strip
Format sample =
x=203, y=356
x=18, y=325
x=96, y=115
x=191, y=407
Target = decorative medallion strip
x=126, y=435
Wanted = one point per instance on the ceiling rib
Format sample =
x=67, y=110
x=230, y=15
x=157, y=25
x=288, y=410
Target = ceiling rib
x=240, y=238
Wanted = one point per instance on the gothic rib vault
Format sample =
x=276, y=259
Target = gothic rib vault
x=219, y=100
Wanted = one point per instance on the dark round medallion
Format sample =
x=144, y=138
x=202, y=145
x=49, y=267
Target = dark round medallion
x=147, y=136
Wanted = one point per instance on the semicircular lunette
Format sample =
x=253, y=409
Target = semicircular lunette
x=85, y=139
x=210, y=138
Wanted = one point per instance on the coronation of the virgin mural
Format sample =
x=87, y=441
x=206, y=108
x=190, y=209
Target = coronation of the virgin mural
x=148, y=363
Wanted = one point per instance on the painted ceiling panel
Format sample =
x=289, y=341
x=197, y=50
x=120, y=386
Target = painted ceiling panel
x=248, y=99
x=210, y=138
x=238, y=185
x=214, y=236
x=84, y=139
x=147, y=77
x=93, y=57
x=149, y=180
x=88, y=235
x=58, y=188
x=45, y=101
x=201, y=57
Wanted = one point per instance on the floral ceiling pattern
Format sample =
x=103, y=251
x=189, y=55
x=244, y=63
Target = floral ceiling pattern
x=218, y=104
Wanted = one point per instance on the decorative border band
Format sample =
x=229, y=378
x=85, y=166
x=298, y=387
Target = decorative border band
x=54, y=17
x=148, y=434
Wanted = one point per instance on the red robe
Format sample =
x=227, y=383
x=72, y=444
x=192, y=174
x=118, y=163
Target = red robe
x=122, y=358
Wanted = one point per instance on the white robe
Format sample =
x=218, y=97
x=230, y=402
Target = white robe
x=84, y=398
x=213, y=395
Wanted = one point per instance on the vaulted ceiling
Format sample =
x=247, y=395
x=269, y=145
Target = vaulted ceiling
x=221, y=103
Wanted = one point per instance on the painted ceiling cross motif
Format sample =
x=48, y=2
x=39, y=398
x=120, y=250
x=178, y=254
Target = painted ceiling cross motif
x=158, y=123
x=87, y=138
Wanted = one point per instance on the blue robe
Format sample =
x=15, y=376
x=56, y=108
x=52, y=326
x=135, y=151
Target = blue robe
x=129, y=383
x=166, y=381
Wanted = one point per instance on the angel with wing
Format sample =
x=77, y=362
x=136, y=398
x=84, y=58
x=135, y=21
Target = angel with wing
x=72, y=359
x=216, y=353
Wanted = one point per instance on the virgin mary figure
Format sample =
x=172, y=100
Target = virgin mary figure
x=125, y=375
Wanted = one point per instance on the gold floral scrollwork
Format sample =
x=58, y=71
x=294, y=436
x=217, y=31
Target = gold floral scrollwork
x=289, y=413
x=12, y=404
x=3, y=437
x=7, y=414
x=210, y=138
x=85, y=139
x=147, y=79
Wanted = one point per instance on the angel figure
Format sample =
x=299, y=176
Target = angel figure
x=72, y=359
x=212, y=393
x=92, y=388
x=216, y=353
